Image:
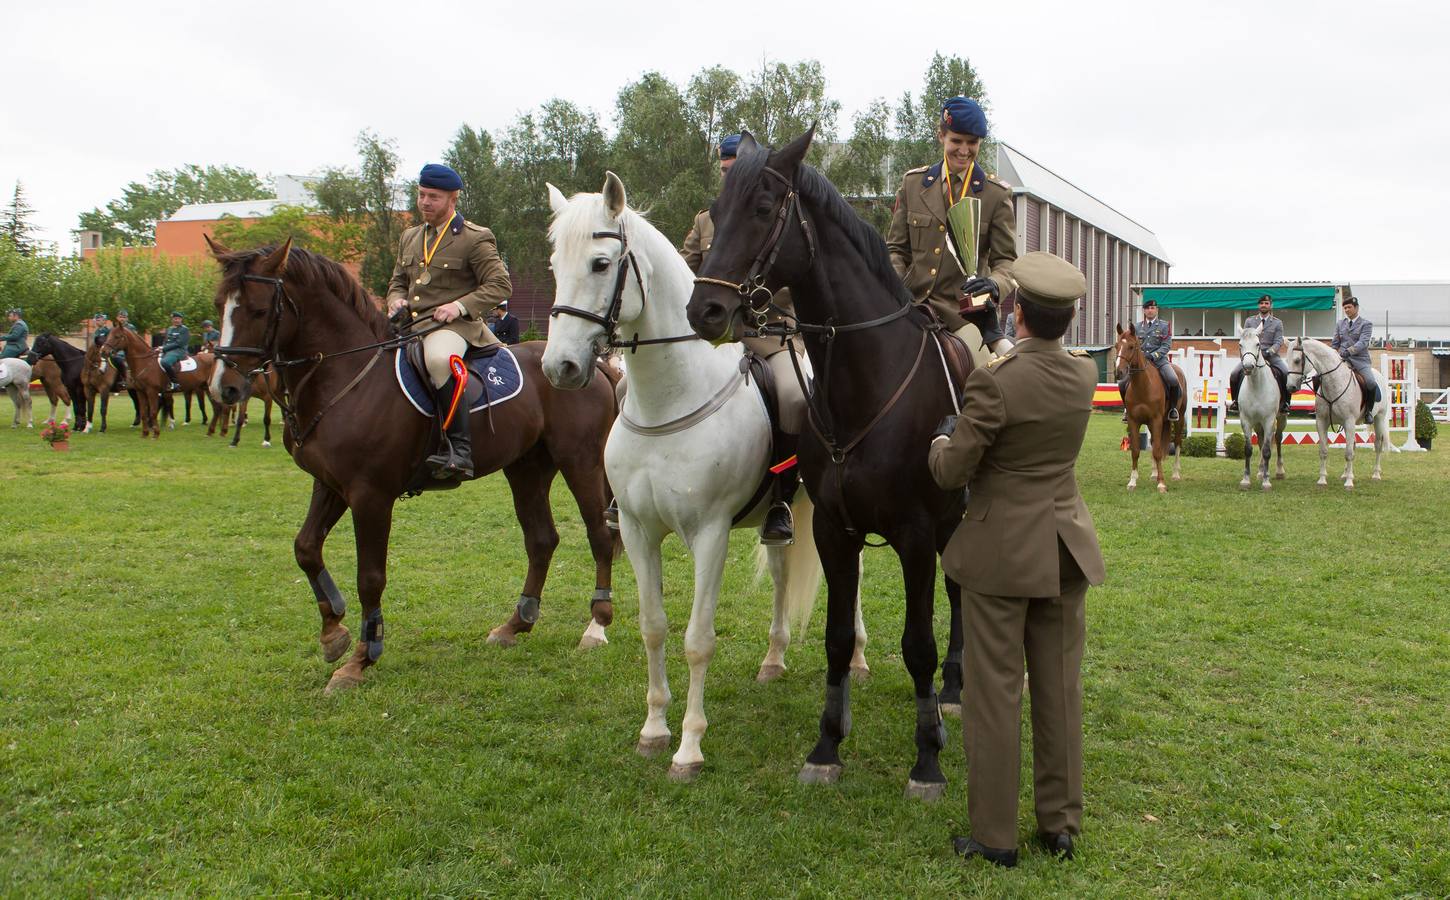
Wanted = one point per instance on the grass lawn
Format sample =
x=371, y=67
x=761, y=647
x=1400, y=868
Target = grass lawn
x=1267, y=678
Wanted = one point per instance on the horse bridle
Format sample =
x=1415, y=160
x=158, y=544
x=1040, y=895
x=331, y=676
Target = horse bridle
x=267, y=352
x=610, y=320
x=753, y=285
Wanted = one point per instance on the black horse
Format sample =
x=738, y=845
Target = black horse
x=880, y=390
x=72, y=362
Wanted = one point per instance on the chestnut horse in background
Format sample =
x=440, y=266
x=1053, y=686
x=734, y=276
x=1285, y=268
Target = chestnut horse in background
x=98, y=376
x=1147, y=404
x=144, y=376
x=364, y=444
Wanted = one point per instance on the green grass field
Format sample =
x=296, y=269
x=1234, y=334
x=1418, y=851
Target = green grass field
x=1267, y=680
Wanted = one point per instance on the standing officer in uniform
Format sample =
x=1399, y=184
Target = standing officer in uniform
x=1271, y=345
x=173, y=347
x=918, y=239
x=504, y=326
x=1024, y=556
x=448, y=269
x=779, y=529
x=16, y=344
x=209, y=334
x=1157, y=340
x=1352, y=335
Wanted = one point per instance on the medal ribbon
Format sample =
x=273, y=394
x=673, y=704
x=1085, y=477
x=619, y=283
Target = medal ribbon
x=428, y=252
x=952, y=199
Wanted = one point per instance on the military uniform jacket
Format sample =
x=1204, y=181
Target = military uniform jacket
x=1015, y=447
x=177, y=338
x=465, y=268
x=211, y=336
x=1351, y=339
x=1157, y=339
x=918, y=239
x=697, y=247
x=1272, y=334
x=101, y=334
x=15, y=343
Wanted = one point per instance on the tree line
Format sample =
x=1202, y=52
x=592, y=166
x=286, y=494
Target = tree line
x=662, y=141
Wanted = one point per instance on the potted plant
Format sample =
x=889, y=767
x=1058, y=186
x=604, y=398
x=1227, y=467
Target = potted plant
x=57, y=435
x=1425, y=426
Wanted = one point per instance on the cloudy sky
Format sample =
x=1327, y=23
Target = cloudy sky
x=1274, y=141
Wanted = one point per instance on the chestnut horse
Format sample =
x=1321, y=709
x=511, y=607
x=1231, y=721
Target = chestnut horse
x=267, y=386
x=350, y=427
x=143, y=375
x=1147, y=404
x=98, y=376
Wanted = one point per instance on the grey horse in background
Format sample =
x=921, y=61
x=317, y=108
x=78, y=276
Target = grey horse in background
x=15, y=379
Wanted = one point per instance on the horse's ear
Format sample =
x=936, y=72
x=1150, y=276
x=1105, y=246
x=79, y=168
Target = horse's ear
x=1132, y=329
x=557, y=201
x=276, y=261
x=1119, y=327
x=614, y=199
x=217, y=249
x=789, y=158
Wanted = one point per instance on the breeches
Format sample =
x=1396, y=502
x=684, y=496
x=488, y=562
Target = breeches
x=171, y=358
x=1048, y=633
x=1170, y=377
x=972, y=337
x=788, y=393
x=11, y=353
x=437, y=348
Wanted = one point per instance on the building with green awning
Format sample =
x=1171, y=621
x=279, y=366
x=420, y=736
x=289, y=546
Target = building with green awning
x=1209, y=310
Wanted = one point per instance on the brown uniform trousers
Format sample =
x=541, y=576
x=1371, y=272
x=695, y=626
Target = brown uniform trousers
x=792, y=401
x=1024, y=556
x=918, y=244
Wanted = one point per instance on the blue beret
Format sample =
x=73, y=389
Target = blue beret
x=729, y=145
x=964, y=116
x=436, y=175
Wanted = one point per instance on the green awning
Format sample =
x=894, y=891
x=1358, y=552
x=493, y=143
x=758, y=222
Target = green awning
x=1240, y=297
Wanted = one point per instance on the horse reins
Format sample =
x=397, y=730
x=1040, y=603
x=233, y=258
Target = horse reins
x=610, y=320
x=268, y=352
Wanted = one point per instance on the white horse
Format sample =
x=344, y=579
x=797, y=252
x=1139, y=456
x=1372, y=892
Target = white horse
x=1259, y=408
x=688, y=450
x=15, y=379
x=1337, y=400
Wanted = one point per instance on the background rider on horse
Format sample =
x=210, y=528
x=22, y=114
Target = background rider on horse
x=1157, y=339
x=1271, y=344
x=15, y=341
x=174, y=347
x=1352, y=335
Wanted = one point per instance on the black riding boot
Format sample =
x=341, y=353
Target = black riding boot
x=454, y=458
x=779, y=529
x=1173, y=393
x=1235, y=378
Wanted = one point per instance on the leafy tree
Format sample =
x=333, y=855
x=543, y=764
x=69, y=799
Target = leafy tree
x=474, y=157
x=131, y=219
x=781, y=101
x=338, y=239
x=714, y=96
x=862, y=169
x=16, y=225
x=665, y=159
x=363, y=203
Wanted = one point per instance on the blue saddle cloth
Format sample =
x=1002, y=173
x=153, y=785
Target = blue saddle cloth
x=497, y=371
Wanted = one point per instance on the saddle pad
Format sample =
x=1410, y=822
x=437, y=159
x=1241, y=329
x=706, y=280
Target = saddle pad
x=500, y=373
x=186, y=365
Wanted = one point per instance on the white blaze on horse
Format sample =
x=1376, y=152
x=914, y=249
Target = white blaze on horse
x=688, y=450
x=1259, y=408
x=1339, y=401
x=15, y=379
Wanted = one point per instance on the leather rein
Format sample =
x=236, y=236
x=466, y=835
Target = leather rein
x=269, y=357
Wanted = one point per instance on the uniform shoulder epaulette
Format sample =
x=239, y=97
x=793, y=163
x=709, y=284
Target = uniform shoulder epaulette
x=998, y=360
x=918, y=170
x=1081, y=353
x=473, y=227
x=999, y=182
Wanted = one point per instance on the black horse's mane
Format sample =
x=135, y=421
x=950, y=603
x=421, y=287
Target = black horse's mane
x=315, y=271
x=823, y=196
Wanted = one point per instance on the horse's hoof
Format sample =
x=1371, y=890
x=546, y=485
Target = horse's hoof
x=814, y=774
x=589, y=641
x=925, y=791
x=334, y=647
x=652, y=746
x=266, y=444
x=769, y=673
x=1132, y=487
x=1244, y=485
x=1375, y=477
x=687, y=773
x=502, y=637
x=1177, y=477
x=1321, y=483
x=951, y=710
x=1162, y=488
x=1349, y=485
x=342, y=680
x=861, y=674
x=1268, y=485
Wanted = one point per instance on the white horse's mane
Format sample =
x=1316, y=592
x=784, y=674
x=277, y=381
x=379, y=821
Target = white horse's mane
x=574, y=225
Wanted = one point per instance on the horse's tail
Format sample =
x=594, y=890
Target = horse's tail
x=802, y=569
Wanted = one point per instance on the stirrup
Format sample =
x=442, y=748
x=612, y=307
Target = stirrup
x=779, y=529
x=1173, y=414
x=611, y=515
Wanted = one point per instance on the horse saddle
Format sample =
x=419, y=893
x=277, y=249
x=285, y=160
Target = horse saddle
x=494, y=376
x=782, y=445
x=1366, y=394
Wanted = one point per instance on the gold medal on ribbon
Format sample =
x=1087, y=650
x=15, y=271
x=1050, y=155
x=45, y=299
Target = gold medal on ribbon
x=425, y=276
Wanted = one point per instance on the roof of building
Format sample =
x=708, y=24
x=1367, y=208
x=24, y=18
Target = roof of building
x=210, y=212
x=1027, y=176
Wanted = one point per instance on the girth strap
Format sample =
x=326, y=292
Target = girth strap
x=688, y=420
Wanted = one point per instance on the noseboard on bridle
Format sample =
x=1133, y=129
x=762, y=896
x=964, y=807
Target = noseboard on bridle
x=609, y=321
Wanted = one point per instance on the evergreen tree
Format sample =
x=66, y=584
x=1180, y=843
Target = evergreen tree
x=17, y=226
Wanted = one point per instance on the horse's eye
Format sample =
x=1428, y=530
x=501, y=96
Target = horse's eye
x=600, y=265
x=762, y=211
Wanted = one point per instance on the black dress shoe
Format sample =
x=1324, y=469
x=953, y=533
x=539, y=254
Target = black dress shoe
x=1057, y=844
x=967, y=848
x=779, y=528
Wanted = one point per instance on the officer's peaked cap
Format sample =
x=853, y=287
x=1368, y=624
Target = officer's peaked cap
x=1048, y=280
